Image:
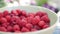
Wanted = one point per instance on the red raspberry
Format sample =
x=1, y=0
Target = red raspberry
x=23, y=22
x=19, y=11
x=29, y=26
x=21, y=17
x=31, y=14
x=18, y=21
x=37, y=18
x=33, y=29
x=24, y=29
x=3, y=20
x=6, y=12
x=17, y=31
x=41, y=23
x=14, y=12
x=45, y=26
x=4, y=24
x=16, y=28
x=37, y=27
x=23, y=13
x=1, y=15
x=9, y=28
x=13, y=23
x=29, y=19
x=8, y=17
x=35, y=21
x=14, y=18
x=45, y=18
x=3, y=29
x=41, y=13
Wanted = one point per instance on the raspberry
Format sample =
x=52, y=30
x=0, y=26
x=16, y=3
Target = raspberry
x=45, y=18
x=9, y=28
x=14, y=12
x=45, y=26
x=31, y=15
x=41, y=13
x=4, y=24
x=16, y=28
x=21, y=17
x=6, y=12
x=13, y=23
x=24, y=29
x=33, y=29
x=3, y=20
x=23, y=13
x=19, y=11
x=37, y=27
x=8, y=17
x=34, y=21
x=13, y=18
x=41, y=23
x=1, y=15
x=3, y=29
x=37, y=18
x=29, y=19
x=17, y=31
x=23, y=22
x=29, y=26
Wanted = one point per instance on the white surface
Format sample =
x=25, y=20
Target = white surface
x=58, y=24
x=25, y=2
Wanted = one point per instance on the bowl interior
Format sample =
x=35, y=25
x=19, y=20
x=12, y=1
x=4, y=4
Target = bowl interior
x=51, y=15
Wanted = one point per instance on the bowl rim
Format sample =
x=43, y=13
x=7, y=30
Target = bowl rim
x=38, y=30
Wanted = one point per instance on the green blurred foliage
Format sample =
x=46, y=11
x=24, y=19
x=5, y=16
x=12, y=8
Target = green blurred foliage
x=2, y=3
x=40, y=2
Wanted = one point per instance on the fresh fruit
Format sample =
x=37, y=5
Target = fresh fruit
x=41, y=23
x=21, y=21
x=24, y=29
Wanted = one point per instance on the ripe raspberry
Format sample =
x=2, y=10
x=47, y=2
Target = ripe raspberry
x=17, y=31
x=14, y=12
x=29, y=26
x=3, y=20
x=41, y=23
x=23, y=13
x=29, y=19
x=31, y=15
x=4, y=24
x=21, y=17
x=3, y=29
x=33, y=29
x=9, y=28
x=16, y=28
x=37, y=18
x=8, y=17
x=19, y=11
x=45, y=18
x=23, y=22
x=37, y=27
x=6, y=12
x=45, y=26
x=13, y=18
x=34, y=21
x=41, y=13
x=24, y=29
x=1, y=15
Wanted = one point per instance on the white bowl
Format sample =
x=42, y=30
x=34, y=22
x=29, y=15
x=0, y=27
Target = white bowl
x=53, y=17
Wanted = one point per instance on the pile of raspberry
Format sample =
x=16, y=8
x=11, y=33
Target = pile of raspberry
x=20, y=21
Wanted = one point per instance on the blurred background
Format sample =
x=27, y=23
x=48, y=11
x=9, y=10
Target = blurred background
x=53, y=5
x=50, y=4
